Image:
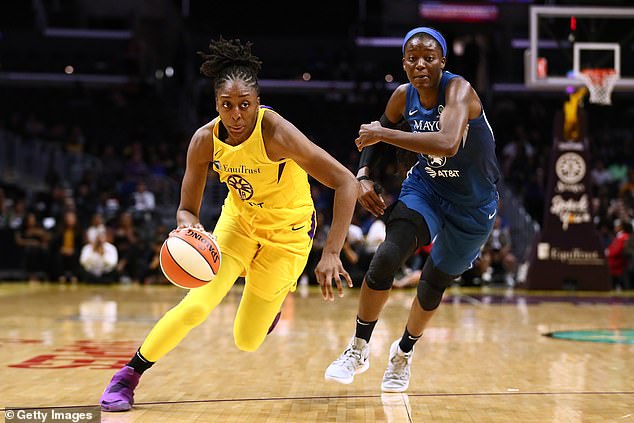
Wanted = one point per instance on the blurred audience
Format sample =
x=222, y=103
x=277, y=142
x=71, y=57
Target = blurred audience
x=99, y=260
x=120, y=181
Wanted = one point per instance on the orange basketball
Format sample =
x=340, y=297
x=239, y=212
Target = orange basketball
x=190, y=258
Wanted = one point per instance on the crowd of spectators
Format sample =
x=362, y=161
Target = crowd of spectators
x=107, y=224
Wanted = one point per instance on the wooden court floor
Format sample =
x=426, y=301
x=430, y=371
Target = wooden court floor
x=485, y=357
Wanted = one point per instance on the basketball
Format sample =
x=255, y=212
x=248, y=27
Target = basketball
x=190, y=258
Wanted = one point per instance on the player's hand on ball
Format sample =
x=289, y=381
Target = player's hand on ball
x=179, y=228
x=197, y=226
x=329, y=268
x=190, y=257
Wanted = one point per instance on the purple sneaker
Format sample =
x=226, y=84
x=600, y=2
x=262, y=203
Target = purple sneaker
x=277, y=319
x=119, y=395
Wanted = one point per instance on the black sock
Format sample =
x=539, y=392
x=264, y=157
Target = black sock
x=408, y=341
x=140, y=363
x=364, y=329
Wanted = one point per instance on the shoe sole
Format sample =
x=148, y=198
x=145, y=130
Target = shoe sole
x=348, y=380
x=394, y=390
x=116, y=407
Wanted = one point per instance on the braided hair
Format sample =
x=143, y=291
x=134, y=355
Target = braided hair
x=230, y=60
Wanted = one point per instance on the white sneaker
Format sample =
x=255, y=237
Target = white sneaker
x=355, y=359
x=396, y=376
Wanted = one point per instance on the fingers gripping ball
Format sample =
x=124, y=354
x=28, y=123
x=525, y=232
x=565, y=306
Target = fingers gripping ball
x=190, y=258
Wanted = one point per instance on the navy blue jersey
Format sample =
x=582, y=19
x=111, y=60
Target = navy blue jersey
x=468, y=178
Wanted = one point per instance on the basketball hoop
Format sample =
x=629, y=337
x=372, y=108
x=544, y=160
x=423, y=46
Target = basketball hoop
x=600, y=83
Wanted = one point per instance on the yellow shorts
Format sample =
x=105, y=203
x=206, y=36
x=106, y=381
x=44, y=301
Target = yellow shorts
x=273, y=258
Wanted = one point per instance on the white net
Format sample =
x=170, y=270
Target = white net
x=600, y=83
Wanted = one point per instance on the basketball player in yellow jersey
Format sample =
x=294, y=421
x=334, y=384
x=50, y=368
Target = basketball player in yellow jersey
x=267, y=222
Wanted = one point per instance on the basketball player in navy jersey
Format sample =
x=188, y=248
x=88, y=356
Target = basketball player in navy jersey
x=449, y=196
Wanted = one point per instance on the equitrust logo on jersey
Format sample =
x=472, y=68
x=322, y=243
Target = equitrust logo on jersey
x=241, y=169
x=238, y=169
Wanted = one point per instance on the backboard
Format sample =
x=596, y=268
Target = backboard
x=565, y=40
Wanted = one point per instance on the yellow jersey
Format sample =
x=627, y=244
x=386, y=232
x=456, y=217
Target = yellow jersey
x=265, y=193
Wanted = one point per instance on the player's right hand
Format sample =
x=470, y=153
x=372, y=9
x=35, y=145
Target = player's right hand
x=370, y=199
x=328, y=269
x=180, y=227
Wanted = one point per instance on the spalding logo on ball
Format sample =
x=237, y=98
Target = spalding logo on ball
x=190, y=258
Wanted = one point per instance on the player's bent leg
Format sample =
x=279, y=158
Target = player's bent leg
x=405, y=230
x=169, y=331
x=255, y=318
x=384, y=264
x=193, y=309
x=432, y=285
x=273, y=273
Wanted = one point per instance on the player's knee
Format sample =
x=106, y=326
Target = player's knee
x=248, y=344
x=431, y=286
x=193, y=314
x=430, y=294
x=383, y=266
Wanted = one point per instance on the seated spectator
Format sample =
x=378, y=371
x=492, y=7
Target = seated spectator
x=65, y=248
x=144, y=201
x=98, y=260
x=616, y=254
x=497, y=253
x=33, y=240
x=96, y=226
x=478, y=274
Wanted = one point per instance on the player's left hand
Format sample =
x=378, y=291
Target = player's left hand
x=368, y=135
x=329, y=268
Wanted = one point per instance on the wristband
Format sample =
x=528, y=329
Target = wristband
x=363, y=178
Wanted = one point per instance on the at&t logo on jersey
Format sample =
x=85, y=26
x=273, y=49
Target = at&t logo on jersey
x=434, y=163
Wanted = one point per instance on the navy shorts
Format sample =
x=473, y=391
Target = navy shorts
x=458, y=231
